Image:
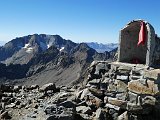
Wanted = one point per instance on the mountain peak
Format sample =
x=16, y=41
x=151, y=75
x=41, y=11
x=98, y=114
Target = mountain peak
x=22, y=49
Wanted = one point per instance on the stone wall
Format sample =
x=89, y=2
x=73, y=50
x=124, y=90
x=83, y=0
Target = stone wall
x=132, y=91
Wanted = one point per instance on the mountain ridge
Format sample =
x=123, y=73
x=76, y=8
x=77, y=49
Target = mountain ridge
x=48, y=58
x=100, y=47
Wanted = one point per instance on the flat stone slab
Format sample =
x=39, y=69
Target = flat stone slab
x=122, y=77
x=153, y=74
x=143, y=87
x=119, y=103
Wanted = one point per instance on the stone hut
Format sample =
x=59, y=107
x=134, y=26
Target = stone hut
x=128, y=51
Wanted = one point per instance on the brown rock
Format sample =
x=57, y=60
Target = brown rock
x=145, y=87
x=92, y=100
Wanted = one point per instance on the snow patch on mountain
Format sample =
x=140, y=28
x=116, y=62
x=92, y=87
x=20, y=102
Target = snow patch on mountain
x=62, y=48
x=50, y=44
x=28, y=48
x=26, y=45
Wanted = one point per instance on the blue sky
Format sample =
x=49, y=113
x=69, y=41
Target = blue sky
x=77, y=20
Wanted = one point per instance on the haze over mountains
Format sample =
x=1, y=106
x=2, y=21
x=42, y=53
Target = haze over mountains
x=47, y=58
x=99, y=47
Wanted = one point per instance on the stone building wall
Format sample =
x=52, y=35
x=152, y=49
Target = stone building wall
x=156, y=53
x=128, y=51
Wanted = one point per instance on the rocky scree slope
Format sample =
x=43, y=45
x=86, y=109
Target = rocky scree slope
x=112, y=91
x=62, y=67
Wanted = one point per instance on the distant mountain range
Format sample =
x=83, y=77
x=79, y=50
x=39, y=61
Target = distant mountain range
x=41, y=58
x=99, y=47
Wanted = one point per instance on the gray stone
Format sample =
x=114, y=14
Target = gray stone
x=123, y=77
x=101, y=67
x=134, y=77
x=124, y=70
x=112, y=111
x=120, y=103
x=112, y=106
x=60, y=117
x=84, y=110
x=153, y=74
x=123, y=116
x=50, y=108
x=149, y=100
x=85, y=117
x=132, y=97
x=61, y=113
x=85, y=92
x=17, y=88
x=94, y=81
x=32, y=87
x=99, y=114
x=12, y=105
x=122, y=96
x=134, y=108
x=67, y=104
x=49, y=86
x=5, y=99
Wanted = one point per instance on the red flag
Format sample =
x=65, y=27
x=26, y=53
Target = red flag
x=142, y=34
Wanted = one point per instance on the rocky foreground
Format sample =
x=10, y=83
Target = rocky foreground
x=112, y=91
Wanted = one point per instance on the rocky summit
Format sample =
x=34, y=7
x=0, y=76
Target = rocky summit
x=110, y=91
